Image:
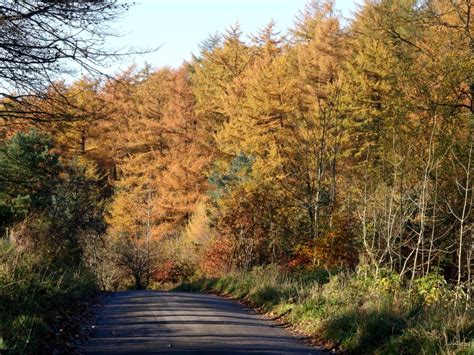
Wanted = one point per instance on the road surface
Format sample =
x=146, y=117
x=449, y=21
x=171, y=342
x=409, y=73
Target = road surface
x=151, y=322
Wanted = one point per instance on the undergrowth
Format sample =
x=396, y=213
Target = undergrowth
x=358, y=312
x=34, y=295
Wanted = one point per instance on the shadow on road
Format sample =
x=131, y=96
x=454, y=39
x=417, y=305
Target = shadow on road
x=138, y=322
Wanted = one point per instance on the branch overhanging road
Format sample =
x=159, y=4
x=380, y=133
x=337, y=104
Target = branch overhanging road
x=147, y=322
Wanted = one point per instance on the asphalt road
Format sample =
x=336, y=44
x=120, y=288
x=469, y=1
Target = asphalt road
x=147, y=322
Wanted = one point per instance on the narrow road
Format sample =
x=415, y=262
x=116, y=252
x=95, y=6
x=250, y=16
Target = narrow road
x=147, y=322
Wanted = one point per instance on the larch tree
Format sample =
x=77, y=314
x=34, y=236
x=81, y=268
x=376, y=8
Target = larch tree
x=42, y=39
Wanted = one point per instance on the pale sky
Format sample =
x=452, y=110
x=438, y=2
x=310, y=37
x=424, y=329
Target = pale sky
x=178, y=26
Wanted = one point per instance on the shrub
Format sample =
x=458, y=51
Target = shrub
x=172, y=271
x=215, y=259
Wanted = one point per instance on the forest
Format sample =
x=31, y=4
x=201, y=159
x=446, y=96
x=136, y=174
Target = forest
x=325, y=174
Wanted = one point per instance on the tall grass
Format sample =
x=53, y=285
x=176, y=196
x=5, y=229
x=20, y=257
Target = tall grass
x=359, y=312
x=33, y=294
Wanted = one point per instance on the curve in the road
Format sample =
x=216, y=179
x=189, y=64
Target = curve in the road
x=147, y=322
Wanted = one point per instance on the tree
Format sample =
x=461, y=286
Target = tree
x=216, y=81
x=29, y=171
x=408, y=77
x=181, y=181
x=79, y=136
x=45, y=204
x=40, y=39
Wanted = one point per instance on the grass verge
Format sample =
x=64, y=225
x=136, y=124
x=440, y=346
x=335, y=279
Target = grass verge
x=357, y=312
x=40, y=303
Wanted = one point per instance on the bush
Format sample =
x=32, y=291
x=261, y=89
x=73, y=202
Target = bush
x=171, y=271
x=214, y=261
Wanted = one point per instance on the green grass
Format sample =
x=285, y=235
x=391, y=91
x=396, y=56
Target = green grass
x=33, y=293
x=358, y=312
